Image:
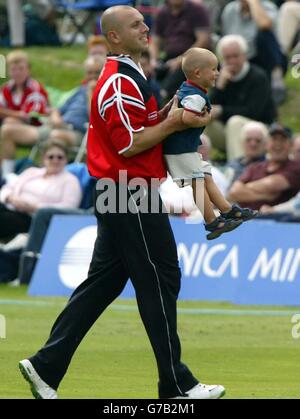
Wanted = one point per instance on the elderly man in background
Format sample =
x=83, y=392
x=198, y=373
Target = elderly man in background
x=274, y=181
x=242, y=93
x=254, y=137
x=256, y=21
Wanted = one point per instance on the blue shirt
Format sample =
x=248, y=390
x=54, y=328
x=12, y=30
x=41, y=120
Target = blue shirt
x=75, y=110
x=193, y=99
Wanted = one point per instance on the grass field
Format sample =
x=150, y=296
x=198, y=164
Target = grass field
x=252, y=353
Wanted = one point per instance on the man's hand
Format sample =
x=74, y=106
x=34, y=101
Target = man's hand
x=192, y=120
x=174, y=117
x=224, y=77
x=163, y=113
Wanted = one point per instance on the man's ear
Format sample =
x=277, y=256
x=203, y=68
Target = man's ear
x=113, y=37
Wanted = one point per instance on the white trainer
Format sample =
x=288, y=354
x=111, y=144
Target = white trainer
x=39, y=388
x=204, y=392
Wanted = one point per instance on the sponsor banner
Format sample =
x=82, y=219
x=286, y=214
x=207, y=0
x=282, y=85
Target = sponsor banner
x=259, y=263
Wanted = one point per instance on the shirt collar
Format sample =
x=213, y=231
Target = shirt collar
x=126, y=59
x=191, y=83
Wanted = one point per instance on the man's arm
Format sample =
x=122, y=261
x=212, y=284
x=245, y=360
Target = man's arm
x=9, y=113
x=259, y=15
x=266, y=189
x=151, y=136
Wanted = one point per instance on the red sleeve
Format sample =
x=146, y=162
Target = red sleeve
x=292, y=175
x=123, y=109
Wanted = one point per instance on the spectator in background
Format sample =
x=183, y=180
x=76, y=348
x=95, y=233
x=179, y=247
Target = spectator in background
x=67, y=123
x=97, y=45
x=21, y=94
x=35, y=188
x=274, y=181
x=296, y=148
x=256, y=21
x=254, y=137
x=242, y=93
x=289, y=24
x=149, y=73
x=179, y=25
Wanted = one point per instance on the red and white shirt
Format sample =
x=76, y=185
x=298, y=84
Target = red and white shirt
x=33, y=99
x=123, y=104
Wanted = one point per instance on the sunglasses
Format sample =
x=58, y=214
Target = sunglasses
x=55, y=156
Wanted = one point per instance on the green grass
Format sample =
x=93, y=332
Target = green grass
x=253, y=356
x=61, y=68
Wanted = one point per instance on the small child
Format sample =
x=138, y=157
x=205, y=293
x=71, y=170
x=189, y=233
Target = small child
x=184, y=163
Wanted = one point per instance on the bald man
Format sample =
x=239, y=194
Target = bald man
x=125, y=154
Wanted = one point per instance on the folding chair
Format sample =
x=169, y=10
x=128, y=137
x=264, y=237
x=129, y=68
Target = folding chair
x=70, y=9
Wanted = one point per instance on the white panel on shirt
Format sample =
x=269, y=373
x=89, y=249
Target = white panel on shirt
x=195, y=103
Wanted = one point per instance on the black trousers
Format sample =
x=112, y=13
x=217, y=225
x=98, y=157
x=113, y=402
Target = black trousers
x=13, y=222
x=139, y=246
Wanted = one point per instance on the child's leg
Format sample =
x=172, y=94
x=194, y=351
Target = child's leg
x=215, y=195
x=202, y=200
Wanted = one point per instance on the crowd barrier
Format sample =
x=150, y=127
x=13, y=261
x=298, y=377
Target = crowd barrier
x=259, y=263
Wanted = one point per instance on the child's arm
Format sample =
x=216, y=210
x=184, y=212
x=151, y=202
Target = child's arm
x=193, y=120
x=195, y=114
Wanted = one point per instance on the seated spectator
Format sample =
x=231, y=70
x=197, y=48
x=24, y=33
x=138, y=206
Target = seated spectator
x=21, y=95
x=274, y=181
x=35, y=188
x=149, y=73
x=97, y=45
x=255, y=20
x=242, y=93
x=254, y=137
x=67, y=123
x=289, y=25
x=179, y=25
x=296, y=148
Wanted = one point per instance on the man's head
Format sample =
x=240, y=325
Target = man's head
x=201, y=66
x=254, y=136
x=125, y=30
x=232, y=51
x=280, y=143
x=296, y=148
x=93, y=66
x=18, y=66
